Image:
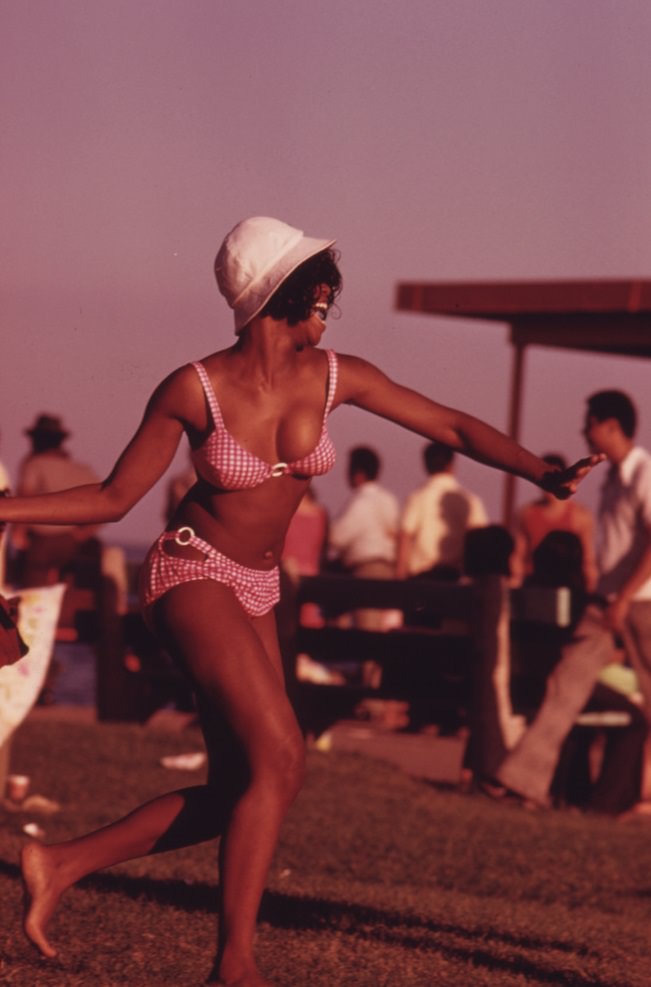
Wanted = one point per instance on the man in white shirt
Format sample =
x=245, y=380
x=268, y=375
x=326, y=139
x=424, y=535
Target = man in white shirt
x=436, y=518
x=624, y=562
x=363, y=537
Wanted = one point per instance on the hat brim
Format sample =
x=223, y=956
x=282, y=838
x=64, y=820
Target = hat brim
x=259, y=293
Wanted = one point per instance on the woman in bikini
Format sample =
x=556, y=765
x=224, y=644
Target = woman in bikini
x=255, y=415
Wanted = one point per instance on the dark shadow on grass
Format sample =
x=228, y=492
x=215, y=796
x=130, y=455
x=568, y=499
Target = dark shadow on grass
x=446, y=787
x=412, y=932
x=393, y=928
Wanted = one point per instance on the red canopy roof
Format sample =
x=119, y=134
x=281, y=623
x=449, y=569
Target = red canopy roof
x=612, y=316
x=606, y=316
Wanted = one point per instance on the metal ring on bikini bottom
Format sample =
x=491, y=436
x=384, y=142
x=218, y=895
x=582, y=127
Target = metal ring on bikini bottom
x=191, y=535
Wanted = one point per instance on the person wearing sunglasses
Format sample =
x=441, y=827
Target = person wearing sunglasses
x=255, y=415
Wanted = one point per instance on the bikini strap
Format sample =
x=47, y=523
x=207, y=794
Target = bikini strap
x=210, y=393
x=333, y=368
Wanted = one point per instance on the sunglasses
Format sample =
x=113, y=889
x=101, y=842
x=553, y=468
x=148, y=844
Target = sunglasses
x=321, y=309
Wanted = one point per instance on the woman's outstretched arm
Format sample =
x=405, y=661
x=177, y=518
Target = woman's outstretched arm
x=363, y=385
x=144, y=460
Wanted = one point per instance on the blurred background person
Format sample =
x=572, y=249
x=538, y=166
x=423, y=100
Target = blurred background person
x=363, y=538
x=538, y=518
x=45, y=551
x=623, y=585
x=436, y=518
x=307, y=537
x=494, y=727
x=304, y=554
x=598, y=771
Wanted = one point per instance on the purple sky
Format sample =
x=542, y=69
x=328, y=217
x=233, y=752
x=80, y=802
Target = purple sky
x=436, y=140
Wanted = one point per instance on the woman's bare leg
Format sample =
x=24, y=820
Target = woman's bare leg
x=48, y=871
x=247, y=690
x=239, y=679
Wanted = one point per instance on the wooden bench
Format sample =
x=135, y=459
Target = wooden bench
x=453, y=649
x=434, y=655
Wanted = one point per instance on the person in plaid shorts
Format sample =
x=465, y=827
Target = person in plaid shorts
x=255, y=414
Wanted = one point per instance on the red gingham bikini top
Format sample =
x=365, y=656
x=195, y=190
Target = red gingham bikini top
x=224, y=463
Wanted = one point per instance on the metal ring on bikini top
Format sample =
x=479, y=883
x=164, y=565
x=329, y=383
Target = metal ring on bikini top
x=279, y=469
x=191, y=535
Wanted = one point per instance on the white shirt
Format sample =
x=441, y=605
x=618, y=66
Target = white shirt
x=437, y=516
x=366, y=529
x=624, y=517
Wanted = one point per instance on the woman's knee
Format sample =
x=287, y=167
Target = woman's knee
x=284, y=764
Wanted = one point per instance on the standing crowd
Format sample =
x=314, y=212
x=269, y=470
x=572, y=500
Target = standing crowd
x=602, y=662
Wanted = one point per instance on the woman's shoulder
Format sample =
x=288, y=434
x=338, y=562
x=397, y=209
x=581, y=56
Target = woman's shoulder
x=177, y=381
x=356, y=370
x=353, y=362
x=180, y=393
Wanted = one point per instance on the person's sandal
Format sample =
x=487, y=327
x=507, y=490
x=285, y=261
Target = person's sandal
x=493, y=789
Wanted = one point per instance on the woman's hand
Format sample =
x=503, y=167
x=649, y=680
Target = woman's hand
x=564, y=483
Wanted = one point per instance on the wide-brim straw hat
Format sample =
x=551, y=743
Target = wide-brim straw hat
x=254, y=260
x=48, y=425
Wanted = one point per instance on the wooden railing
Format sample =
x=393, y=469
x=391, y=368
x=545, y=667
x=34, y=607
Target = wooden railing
x=454, y=643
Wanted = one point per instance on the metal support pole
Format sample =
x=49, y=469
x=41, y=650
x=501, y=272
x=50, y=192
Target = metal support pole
x=515, y=408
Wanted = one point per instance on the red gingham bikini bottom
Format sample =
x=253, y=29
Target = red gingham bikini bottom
x=257, y=590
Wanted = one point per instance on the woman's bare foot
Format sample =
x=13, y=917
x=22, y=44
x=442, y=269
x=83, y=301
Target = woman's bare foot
x=43, y=888
x=250, y=977
x=257, y=982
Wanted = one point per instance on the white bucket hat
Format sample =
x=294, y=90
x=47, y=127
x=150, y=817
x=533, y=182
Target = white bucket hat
x=254, y=260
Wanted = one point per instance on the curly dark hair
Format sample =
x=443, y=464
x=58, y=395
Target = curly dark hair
x=363, y=459
x=437, y=457
x=614, y=404
x=295, y=297
x=488, y=551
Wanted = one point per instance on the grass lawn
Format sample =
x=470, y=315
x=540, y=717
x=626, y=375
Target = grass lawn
x=379, y=880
